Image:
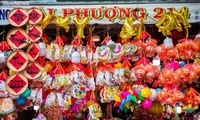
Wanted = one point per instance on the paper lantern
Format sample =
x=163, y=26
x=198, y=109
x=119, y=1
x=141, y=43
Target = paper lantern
x=146, y=103
x=6, y=106
x=145, y=92
x=20, y=100
x=43, y=51
x=76, y=58
x=168, y=43
x=181, y=63
x=26, y=93
x=153, y=94
x=78, y=91
x=156, y=61
x=2, y=57
x=95, y=111
x=156, y=108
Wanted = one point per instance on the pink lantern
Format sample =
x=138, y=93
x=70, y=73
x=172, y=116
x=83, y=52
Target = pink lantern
x=146, y=103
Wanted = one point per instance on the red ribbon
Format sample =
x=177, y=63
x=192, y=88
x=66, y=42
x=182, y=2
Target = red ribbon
x=126, y=64
x=90, y=41
x=105, y=41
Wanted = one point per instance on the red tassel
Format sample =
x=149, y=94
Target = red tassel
x=45, y=38
x=117, y=104
x=3, y=75
x=145, y=35
x=64, y=38
x=59, y=69
x=127, y=64
x=41, y=61
x=4, y=46
x=59, y=41
x=77, y=41
x=155, y=84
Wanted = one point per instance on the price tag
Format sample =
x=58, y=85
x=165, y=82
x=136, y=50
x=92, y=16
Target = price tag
x=16, y=84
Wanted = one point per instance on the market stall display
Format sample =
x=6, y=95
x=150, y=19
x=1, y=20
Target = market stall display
x=136, y=74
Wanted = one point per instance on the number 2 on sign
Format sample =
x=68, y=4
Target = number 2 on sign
x=161, y=11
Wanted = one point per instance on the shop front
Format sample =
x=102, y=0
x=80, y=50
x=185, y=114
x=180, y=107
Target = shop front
x=99, y=60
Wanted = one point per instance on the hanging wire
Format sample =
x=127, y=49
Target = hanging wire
x=3, y=33
x=108, y=31
x=146, y=14
x=108, y=28
x=152, y=18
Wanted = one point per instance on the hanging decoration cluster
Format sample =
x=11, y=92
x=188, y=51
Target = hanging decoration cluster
x=65, y=80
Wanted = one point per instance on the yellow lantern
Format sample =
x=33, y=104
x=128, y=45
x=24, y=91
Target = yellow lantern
x=156, y=108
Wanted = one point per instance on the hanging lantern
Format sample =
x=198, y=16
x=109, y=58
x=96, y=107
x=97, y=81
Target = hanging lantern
x=147, y=103
x=2, y=57
x=156, y=108
x=43, y=51
x=76, y=58
x=178, y=109
x=36, y=107
x=168, y=43
x=111, y=44
x=156, y=60
x=96, y=38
